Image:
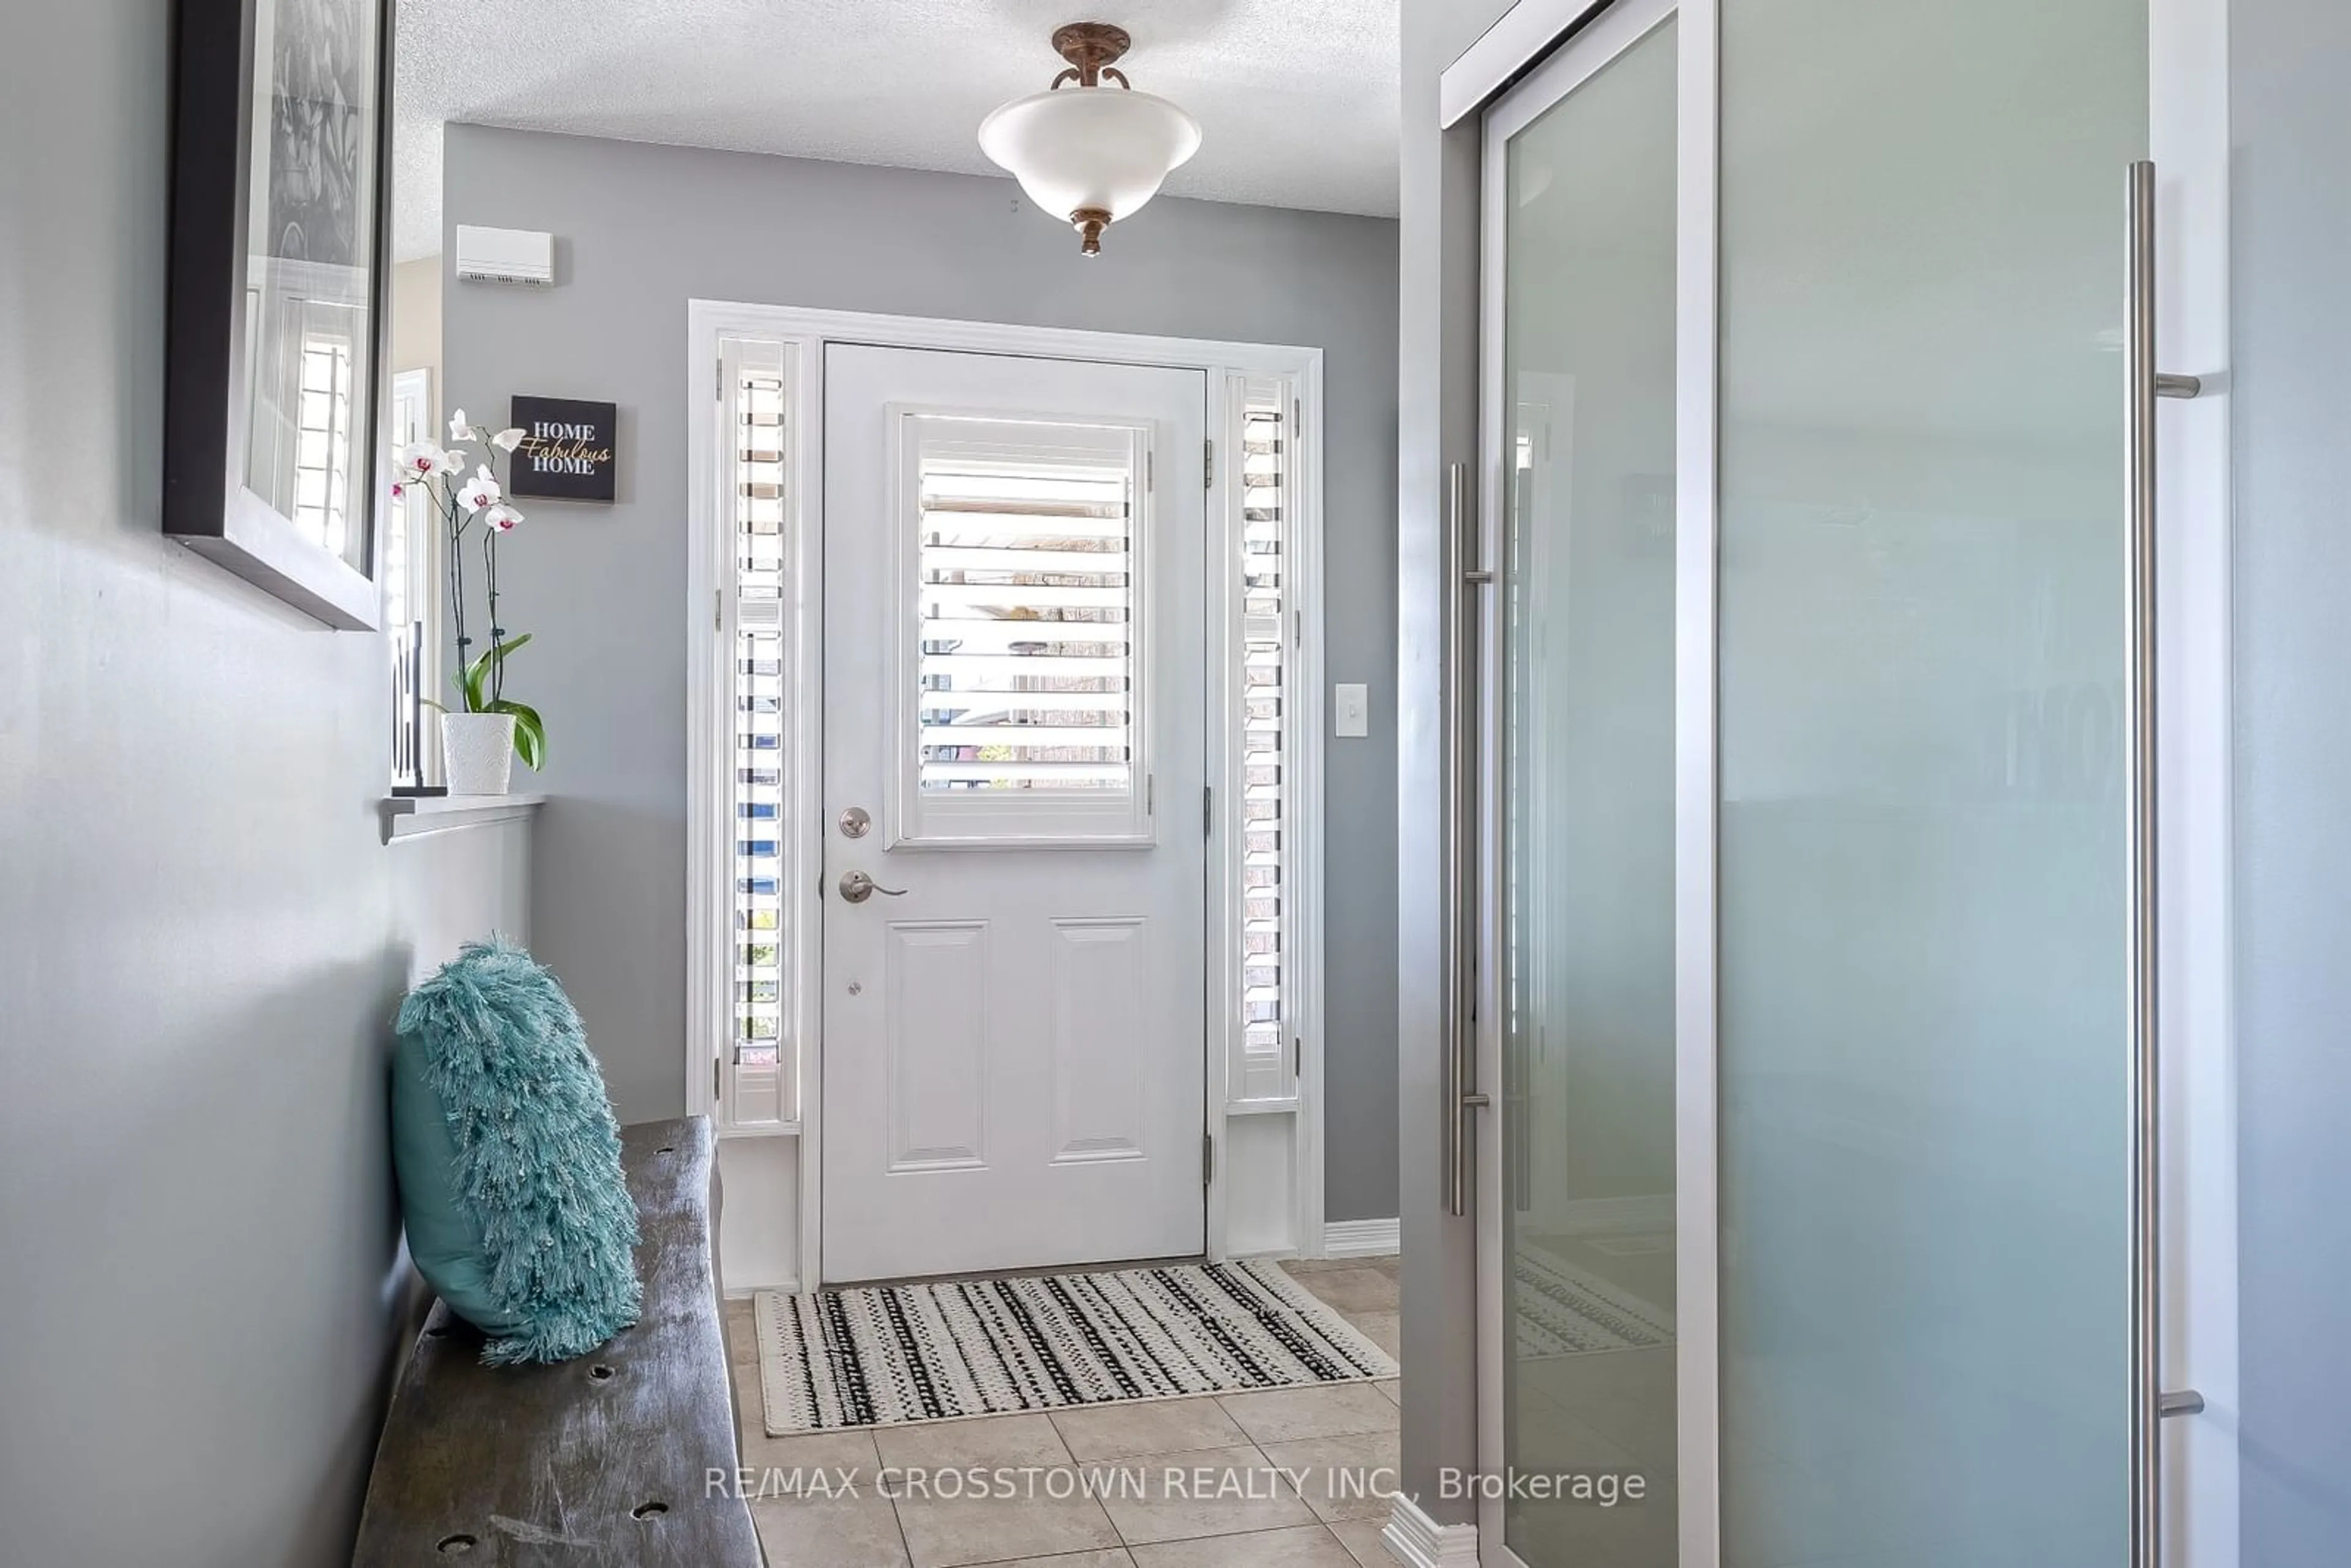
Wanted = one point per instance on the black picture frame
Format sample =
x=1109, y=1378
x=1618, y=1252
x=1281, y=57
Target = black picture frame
x=216, y=332
x=569, y=451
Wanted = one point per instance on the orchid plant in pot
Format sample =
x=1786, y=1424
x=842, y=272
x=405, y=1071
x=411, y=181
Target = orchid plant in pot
x=481, y=737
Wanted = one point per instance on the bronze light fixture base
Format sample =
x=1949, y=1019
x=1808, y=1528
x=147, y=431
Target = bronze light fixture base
x=1091, y=48
x=1089, y=222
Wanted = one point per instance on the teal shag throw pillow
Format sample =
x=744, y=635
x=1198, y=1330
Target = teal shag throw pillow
x=509, y=1160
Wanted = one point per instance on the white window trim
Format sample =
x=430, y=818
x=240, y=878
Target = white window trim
x=710, y=325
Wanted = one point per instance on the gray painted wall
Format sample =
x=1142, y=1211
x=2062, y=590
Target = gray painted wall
x=2289, y=61
x=201, y=939
x=642, y=229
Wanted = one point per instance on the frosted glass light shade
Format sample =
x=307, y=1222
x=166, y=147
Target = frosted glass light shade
x=1090, y=149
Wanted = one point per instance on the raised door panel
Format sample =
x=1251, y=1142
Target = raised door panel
x=1103, y=1029
x=937, y=1045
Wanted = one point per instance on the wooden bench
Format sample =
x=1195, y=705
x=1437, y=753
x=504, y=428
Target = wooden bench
x=600, y=1460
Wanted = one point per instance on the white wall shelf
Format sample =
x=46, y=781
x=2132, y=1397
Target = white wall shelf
x=418, y=815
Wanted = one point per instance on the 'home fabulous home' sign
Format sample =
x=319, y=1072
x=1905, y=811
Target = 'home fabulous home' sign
x=566, y=451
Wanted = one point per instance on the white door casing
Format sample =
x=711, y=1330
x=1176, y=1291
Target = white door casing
x=1013, y=1038
x=754, y=566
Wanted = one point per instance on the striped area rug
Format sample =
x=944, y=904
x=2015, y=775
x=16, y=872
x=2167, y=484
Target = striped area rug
x=891, y=1356
x=1562, y=1310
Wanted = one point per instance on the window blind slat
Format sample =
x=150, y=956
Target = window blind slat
x=1024, y=701
x=1024, y=558
x=997, y=530
x=1011, y=596
x=1051, y=773
x=958, y=667
x=989, y=733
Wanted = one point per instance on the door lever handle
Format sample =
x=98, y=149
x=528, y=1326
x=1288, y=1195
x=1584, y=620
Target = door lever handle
x=857, y=887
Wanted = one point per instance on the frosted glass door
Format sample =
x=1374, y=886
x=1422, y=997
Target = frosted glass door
x=1585, y=598
x=1924, y=1013
x=1806, y=986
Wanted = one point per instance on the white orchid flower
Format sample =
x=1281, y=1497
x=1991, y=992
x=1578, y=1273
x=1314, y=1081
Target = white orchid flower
x=459, y=430
x=500, y=519
x=422, y=460
x=506, y=440
x=479, y=491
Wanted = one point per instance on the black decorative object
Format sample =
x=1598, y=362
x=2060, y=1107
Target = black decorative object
x=568, y=449
x=281, y=182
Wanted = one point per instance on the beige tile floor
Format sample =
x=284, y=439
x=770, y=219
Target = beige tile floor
x=1233, y=1509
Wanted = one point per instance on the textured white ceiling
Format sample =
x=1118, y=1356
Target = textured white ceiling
x=1298, y=97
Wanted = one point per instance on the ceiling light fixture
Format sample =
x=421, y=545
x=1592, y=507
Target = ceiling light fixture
x=1091, y=153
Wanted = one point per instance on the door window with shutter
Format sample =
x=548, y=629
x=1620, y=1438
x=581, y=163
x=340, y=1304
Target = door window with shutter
x=1020, y=567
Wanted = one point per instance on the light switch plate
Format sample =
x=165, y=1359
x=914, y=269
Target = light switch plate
x=1351, y=708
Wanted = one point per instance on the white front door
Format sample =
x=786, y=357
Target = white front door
x=1014, y=759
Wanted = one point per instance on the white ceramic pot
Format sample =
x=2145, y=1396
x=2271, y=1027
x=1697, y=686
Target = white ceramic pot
x=477, y=752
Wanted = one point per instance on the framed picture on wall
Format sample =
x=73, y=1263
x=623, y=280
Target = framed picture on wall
x=278, y=277
x=569, y=449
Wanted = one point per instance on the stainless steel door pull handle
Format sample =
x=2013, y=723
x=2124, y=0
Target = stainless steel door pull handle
x=1467, y=578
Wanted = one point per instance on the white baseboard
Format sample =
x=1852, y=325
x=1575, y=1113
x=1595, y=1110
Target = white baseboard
x=1359, y=1238
x=1418, y=1540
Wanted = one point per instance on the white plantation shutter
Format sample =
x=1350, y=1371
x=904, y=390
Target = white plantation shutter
x=1267, y=784
x=1027, y=598
x=762, y=1060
